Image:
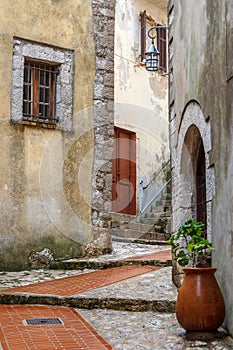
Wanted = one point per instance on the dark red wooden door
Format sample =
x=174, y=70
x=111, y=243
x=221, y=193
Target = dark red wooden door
x=124, y=172
x=201, y=187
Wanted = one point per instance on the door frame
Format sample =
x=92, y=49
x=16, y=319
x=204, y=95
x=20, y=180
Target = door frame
x=130, y=209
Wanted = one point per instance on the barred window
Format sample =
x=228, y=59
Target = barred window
x=39, y=92
x=42, y=85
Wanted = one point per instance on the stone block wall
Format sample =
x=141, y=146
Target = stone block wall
x=103, y=114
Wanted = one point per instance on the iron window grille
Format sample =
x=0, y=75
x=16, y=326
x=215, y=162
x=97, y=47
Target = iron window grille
x=39, y=92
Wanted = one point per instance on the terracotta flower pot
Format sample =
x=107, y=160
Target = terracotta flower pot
x=200, y=304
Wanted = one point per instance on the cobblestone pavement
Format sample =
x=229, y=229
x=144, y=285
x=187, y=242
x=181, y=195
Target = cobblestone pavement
x=149, y=331
x=154, y=285
x=122, y=329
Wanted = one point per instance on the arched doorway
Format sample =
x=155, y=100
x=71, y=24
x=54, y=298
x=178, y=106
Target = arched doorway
x=193, y=177
x=192, y=173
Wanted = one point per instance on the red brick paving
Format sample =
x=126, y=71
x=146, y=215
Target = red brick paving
x=76, y=284
x=75, y=333
x=163, y=255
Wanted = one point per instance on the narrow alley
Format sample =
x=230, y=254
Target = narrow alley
x=126, y=307
x=116, y=175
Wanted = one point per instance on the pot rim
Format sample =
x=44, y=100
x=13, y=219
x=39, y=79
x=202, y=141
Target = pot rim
x=199, y=269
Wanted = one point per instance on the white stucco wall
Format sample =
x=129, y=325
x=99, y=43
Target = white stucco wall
x=140, y=96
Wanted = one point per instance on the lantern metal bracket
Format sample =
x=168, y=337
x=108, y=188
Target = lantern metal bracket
x=152, y=55
x=155, y=27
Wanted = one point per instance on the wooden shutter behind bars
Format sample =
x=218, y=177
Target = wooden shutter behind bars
x=162, y=47
x=143, y=35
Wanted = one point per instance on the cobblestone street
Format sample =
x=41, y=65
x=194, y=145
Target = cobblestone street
x=148, y=331
x=125, y=311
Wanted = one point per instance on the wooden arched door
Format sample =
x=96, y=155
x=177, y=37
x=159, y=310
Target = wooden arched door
x=201, y=214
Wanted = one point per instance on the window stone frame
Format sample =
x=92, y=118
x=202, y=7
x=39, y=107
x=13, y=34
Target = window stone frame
x=64, y=84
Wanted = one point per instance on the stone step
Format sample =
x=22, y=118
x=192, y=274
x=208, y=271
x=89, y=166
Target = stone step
x=82, y=264
x=139, y=241
x=148, y=225
x=161, y=225
x=143, y=227
x=159, y=206
x=154, y=236
x=140, y=229
x=167, y=195
x=126, y=233
x=164, y=211
x=163, y=202
x=157, y=212
x=114, y=303
x=122, y=217
x=156, y=216
x=149, y=221
x=132, y=226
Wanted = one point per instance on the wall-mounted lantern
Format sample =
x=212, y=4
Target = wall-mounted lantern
x=152, y=55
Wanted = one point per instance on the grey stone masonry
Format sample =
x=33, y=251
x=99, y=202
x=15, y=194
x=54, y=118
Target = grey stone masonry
x=103, y=14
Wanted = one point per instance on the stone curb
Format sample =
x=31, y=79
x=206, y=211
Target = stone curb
x=101, y=265
x=139, y=241
x=136, y=305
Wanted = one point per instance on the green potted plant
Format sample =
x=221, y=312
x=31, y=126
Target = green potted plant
x=200, y=304
x=189, y=245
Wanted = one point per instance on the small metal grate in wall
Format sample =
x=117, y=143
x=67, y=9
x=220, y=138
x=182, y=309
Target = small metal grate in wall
x=42, y=321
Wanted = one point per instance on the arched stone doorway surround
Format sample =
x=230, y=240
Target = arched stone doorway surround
x=194, y=136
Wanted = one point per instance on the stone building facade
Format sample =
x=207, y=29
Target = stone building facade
x=56, y=126
x=200, y=103
x=72, y=73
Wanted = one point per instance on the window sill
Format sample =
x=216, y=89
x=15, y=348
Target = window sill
x=39, y=124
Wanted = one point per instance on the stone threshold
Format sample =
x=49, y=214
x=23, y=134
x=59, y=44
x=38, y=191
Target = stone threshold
x=81, y=264
x=120, y=304
x=138, y=241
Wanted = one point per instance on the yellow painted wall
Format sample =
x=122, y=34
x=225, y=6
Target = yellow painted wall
x=45, y=182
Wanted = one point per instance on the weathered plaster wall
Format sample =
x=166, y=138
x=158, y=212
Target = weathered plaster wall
x=44, y=196
x=200, y=36
x=140, y=96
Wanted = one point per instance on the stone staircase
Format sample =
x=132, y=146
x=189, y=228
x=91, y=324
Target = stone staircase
x=150, y=227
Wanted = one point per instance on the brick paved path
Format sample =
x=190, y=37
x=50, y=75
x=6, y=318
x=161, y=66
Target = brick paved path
x=161, y=256
x=74, y=333
x=81, y=283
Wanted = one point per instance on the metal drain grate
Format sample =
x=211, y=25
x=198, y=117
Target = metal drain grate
x=39, y=321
